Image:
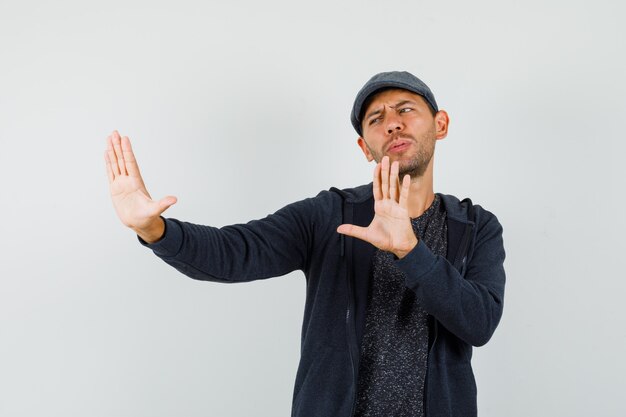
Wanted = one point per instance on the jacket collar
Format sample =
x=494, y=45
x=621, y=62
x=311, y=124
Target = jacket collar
x=456, y=209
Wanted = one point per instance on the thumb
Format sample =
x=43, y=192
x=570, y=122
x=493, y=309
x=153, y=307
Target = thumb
x=165, y=203
x=354, y=231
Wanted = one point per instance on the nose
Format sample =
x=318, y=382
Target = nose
x=394, y=123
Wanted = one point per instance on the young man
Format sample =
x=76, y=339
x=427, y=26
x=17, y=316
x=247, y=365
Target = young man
x=401, y=282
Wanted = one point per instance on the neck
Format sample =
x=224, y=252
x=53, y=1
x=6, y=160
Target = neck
x=421, y=194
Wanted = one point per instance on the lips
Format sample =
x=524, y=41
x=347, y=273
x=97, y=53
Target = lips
x=399, y=146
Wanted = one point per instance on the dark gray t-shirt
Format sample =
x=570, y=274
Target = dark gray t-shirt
x=394, y=351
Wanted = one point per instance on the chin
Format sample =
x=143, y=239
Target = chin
x=413, y=168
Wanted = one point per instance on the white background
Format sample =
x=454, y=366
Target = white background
x=241, y=107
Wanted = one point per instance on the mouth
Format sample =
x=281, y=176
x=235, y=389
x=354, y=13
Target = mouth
x=399, y=146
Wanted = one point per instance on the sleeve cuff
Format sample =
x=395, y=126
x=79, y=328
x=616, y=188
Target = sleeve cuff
x=417, y=263
x=170, y=242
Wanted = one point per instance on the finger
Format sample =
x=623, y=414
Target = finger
x=384, y=176
x=354, y=231
x=109, y=170
x=117, y=146
x=377, y=192
x=129, y=158
x=404, y=192
x=165, y=203
x=112, y=158
x=393, y=181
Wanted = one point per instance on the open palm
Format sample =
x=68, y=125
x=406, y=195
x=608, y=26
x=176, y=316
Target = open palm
x=390, y=229
x=131, y=200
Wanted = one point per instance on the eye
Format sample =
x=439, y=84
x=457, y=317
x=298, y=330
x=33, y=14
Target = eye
x=374, y=120
x=405, y=110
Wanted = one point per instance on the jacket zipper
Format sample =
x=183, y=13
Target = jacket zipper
x=459, y=262
x=350, y=333
x=354, y=380
x=463, y=248
x=346, y=252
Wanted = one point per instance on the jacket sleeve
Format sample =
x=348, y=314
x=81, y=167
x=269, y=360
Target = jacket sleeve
x=470, y=307
x=273, y=246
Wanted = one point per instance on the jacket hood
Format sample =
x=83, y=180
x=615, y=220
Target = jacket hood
x=355, y=195
x=456, y=209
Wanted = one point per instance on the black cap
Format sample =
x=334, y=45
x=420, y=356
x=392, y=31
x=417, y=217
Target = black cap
x=393, y=79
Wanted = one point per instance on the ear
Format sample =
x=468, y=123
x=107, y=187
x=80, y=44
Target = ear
x=441, y=124
x=365, y=149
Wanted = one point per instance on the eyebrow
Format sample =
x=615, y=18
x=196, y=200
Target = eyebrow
x=378, y=111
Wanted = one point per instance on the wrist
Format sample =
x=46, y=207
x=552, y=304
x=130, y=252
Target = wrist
x=153, y=232
x=402, y=252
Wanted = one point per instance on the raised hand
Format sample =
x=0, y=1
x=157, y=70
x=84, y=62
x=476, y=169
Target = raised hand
x=131, y=199
x=390, y=229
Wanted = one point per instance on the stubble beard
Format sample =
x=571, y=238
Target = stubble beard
x=416, y=166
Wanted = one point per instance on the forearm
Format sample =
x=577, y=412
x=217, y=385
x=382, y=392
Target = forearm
x=234, y=253
x=469, y=306
x=273, y=246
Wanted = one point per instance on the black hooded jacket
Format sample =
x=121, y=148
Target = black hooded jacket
x=463, y=293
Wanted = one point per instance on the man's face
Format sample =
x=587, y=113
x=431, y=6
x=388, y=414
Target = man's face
x=400, y=124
